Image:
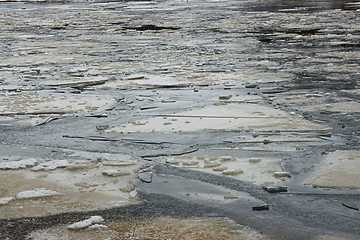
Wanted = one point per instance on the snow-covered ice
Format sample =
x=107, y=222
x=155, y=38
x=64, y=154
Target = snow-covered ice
x=36, y=193
x=5, y=200
x=24, y=163
x=86, y=223
x=51, y=165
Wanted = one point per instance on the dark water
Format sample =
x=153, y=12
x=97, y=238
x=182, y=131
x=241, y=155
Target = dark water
x=304, y=6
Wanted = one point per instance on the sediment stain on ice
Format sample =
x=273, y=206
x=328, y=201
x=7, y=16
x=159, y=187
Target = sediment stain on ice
x=339, y=169
x=158, y=228
x=51, y=186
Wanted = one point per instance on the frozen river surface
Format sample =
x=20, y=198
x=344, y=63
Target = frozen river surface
x=179, y=119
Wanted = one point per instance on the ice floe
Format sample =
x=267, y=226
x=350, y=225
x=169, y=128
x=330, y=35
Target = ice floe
x=261, y=171
x=339, y=169
x=74, y=185
x=31, y=103
x=224, y=117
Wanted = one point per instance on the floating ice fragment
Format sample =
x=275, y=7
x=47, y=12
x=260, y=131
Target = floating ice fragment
x=86, y=223
x=5, y=200
x=225, y=97
x=190, y=162
x=114, y=173
x=35, y=193
x=118, y=163
x=102, y=127
x=172, y=161
x=77, y=70
x=135, y=77
x=232, y=172
x=18, y=164
x=212, y=164
x=97, y=227
x=254, y=160
x=261, y=207
x=226, y=158
x=127, y=189
x=219, y=169
x=145, y=177
x=275, y=189
x=133, y=194
x=230, y=197
x=281, y=174
x=51, y=165
x=86, y=184
x=82, y=164
x=251, y=85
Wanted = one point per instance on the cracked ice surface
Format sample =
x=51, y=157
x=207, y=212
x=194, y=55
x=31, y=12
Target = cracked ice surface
x=223, y=117
x=28, y=103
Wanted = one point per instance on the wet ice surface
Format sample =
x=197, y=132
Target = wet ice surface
x=158, y=228
x=261, y=171
x=223, y=117
x=340, y=170
x=220, y=97
x=41, y=188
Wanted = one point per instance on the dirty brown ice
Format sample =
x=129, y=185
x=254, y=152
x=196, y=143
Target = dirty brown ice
x=180, y=119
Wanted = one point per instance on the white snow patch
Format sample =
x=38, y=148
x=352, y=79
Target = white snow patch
x=133, y=194
x=86, y=223
x=5, y=200
x=35, y=193
x=98, y=227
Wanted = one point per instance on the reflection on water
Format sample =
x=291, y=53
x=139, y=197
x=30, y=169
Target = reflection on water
x=305, y=5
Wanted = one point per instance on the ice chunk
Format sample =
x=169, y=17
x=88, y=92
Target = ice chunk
x=226, y=158
x=18, y=164
x=82, y=164
x=172, y=161
x=98, y=227
x=212, y=164
x=232, y=172
x=275, y=189
x=281, y=174
x=261, y=207
x=5, y=200
x=51, y=165
x=35, y=193
x=86, y=223
x=114, y=173
x=118, y=163
x=133, y=194
x=219, y=169
x=190, y=162
x=254, y=160
x=145, y=177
